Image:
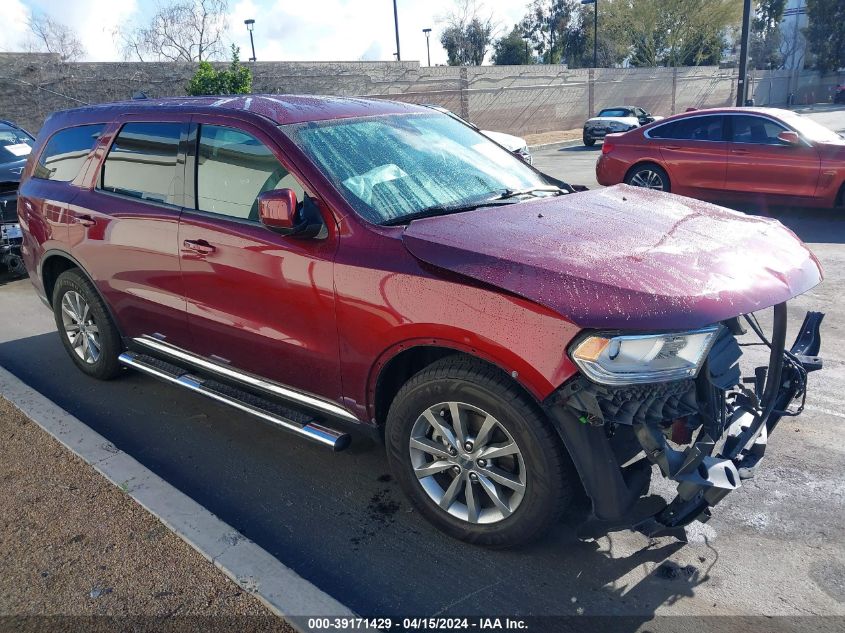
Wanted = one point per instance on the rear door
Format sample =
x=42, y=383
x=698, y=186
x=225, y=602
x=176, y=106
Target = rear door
x=695, y=153
x=124, y=231
x=759, y=163
x=262, y=302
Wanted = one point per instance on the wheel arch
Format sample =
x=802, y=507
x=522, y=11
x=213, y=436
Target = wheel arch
x=56, y=262
x=840, y=196
x=399, y=363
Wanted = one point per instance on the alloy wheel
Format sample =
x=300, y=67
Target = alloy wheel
x=467, y=462
x=80, y=329
x=648, y=179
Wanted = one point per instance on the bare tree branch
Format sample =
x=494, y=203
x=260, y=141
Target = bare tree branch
x=52, y=36
x=183, y=30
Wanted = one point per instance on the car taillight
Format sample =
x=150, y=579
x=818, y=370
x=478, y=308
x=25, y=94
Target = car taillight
x=607, y=147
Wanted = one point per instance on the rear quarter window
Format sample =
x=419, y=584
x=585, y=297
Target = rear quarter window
x=66, y=151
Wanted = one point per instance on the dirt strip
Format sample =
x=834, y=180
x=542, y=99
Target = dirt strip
x=71, y=544
x=544, y=138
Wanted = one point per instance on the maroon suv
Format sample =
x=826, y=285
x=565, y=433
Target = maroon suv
x=326, y=263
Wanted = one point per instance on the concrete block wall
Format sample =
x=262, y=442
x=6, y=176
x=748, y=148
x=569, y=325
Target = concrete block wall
x=514, y=99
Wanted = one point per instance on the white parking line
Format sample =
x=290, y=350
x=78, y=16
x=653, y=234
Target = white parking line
x=281, y=589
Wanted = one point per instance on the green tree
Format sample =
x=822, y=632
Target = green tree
x=234, y=80
x=766, y=38
x=548, y=25
x=680, y=32
x=825, y=33
x=467, y=35
x=512, y=49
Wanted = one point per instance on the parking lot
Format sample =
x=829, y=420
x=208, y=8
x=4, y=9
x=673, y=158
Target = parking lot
x=775, y=547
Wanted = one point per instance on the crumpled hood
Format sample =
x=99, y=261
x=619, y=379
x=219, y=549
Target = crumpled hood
x=623, y=257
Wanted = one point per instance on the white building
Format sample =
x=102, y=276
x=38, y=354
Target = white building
x=793, y=46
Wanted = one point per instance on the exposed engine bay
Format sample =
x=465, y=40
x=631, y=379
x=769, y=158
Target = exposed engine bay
x=707, y=432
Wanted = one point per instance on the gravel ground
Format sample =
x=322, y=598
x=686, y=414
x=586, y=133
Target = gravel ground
x=71, y=544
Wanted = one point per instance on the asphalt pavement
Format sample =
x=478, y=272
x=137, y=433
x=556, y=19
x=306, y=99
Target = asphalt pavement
x=775, y=547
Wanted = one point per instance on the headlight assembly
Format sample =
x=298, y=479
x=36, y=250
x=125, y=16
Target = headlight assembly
x=640, y=358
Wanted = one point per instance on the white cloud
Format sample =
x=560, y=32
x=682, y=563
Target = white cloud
x=302, y=30
x=95, y=22
x=14, y=31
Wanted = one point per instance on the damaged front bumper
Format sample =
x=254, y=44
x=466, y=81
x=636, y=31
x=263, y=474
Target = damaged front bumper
x=707, y=434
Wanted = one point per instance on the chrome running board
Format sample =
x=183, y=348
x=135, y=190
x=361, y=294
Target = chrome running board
x=268, y=411
x=160, y=347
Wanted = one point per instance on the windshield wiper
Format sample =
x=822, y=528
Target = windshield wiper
x=513, y=193
x=430, y=212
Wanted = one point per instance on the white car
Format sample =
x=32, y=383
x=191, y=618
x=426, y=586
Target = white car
x=613, y=120
x=513, y=144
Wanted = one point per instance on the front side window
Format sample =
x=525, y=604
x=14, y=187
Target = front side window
x=756, y=130
x=142, y=162
x=699, y=128
x=66, y=151
x=391, y=166
x=233, y=168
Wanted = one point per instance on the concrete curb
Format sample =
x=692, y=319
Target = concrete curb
x=555, y=145
x=281, y=589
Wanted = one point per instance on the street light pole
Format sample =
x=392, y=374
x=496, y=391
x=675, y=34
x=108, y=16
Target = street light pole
x=427, y=47
x=742, y=87
x=250, y=24
x=595, y=4
x=396, y=26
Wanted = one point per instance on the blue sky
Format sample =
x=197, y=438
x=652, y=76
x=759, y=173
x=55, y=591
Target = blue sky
x=284, y=29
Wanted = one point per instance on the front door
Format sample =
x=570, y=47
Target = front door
x=257, y=300
x=759, y=163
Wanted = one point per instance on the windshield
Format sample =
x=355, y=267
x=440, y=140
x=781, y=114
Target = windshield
x=810, y=129
x=15, y=144
x=617, y=112
x=388, y=167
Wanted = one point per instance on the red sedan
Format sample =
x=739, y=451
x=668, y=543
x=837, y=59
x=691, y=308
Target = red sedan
x=738, y=154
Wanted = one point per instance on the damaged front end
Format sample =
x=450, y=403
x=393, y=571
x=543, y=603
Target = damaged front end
x=706, y=430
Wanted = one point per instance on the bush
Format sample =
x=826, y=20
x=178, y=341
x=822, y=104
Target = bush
x=235, y=80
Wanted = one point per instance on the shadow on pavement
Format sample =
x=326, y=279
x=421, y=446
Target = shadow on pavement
x=581, y=148
x=340, y=520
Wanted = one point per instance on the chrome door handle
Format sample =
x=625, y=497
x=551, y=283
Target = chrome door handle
x=85, y=220
x=198, y=246
x=739, y=151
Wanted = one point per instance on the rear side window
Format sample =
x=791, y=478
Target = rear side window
x=233, y=168
x=142, y=162
x=699, y=128
x=66, y=151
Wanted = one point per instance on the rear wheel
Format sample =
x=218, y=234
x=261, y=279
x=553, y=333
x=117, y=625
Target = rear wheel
x=648, y=176
x=475, y=455
x=86, y=329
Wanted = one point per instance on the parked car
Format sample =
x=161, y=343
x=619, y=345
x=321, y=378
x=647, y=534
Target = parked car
x=323, y=263
x=514, y=144
x=613, y=120
x=839, y=94
x=15, y=146
x=738, y=154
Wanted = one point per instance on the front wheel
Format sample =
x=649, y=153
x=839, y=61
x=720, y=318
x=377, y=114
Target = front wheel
x=588, y=141
x=648, y=176
x=475, y=455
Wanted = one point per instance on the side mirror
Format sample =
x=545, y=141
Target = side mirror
x=788, y=137
x=277, y=210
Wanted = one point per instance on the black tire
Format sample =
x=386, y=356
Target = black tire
x=548, y=472
x=589, y=142
x=646, y=171
x=106, y=365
